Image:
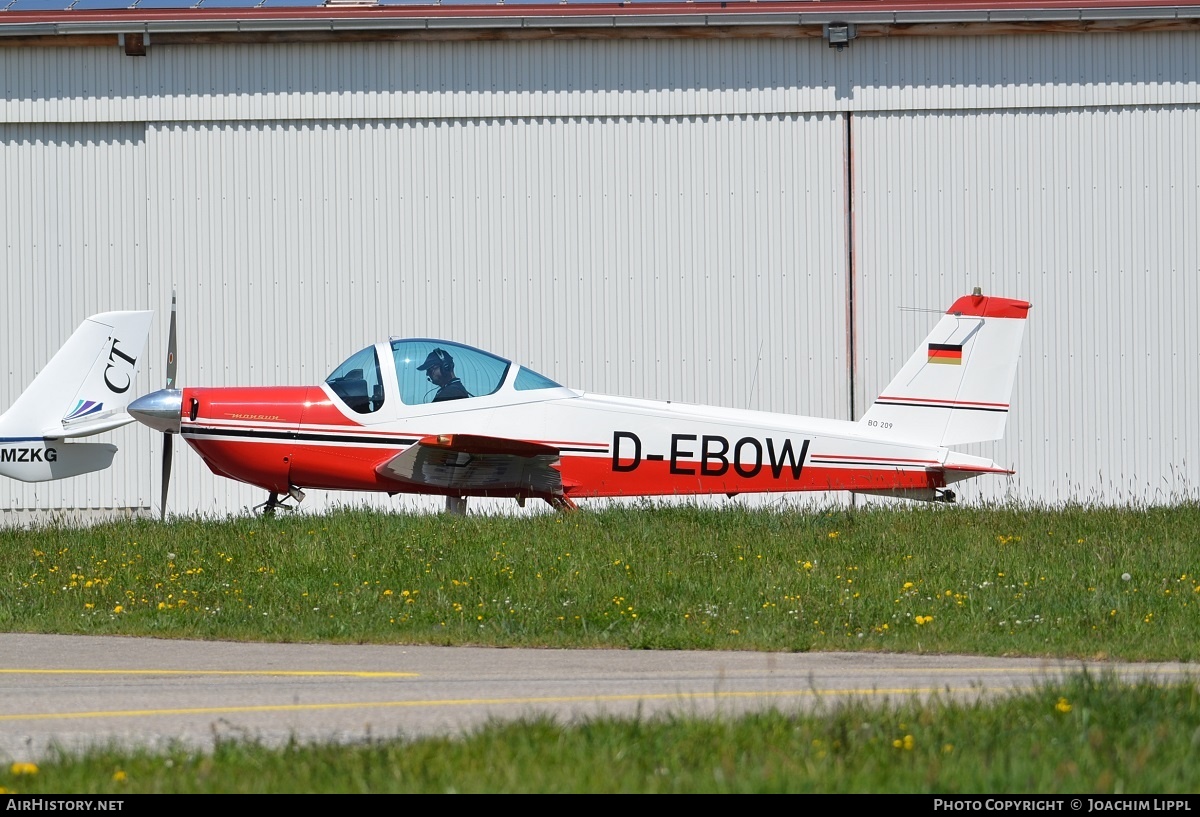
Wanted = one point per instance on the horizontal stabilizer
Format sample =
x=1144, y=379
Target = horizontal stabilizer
x=963, y=466
x=44, y=460
x=476, y=464
x=89, y=426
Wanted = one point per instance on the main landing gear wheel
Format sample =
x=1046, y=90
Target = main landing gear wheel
x=562, y=503
x=274, y=503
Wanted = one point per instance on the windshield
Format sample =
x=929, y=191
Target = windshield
x=528, y=380
x=357, y=382
x=431, y=371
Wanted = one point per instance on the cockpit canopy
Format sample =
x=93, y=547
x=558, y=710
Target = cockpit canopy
x=359, y=383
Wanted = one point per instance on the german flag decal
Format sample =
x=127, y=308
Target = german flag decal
x=947, y=353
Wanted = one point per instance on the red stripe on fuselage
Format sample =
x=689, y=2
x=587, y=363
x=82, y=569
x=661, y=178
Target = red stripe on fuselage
x=923, y=400
x=228, y=420
x=870, y=460
x=594, y=476
x=278, y=465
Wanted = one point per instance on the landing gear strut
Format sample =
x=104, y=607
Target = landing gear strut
x=274, y=503
x=562, y=503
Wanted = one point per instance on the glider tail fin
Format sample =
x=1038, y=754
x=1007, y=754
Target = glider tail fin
x=82, y=391
x=956, y=387
x=86, y=386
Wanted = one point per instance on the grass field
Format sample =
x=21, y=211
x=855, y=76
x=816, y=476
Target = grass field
x=1075, y=582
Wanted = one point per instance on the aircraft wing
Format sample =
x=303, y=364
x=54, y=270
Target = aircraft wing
x=472, y=462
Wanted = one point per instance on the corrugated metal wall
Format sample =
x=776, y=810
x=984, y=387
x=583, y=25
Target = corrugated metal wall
x=1090, y=214
x=618, y=255
x=73, y=224
x=656, y=218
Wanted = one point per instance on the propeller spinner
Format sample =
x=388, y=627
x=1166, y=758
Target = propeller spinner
x=160, y=410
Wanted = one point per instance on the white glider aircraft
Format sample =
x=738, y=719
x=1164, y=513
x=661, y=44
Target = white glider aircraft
x=84, y=390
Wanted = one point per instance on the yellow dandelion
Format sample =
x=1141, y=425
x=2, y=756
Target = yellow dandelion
x=119, y=776
x=19, y=769
x=1063, y=705
x=387, y=592
x=834, y=535
x=119, y=609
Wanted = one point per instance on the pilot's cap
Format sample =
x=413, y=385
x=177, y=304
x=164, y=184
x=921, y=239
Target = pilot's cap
x=438, y=357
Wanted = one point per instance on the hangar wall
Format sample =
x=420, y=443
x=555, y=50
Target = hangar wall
x=668, y=219
x=73, y=224
x=1090, y=214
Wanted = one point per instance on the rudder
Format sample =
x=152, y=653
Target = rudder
x=86, y=386
x=956, y=387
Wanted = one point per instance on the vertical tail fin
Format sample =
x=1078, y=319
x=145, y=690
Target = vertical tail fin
x=86, y=386
x=956, y=387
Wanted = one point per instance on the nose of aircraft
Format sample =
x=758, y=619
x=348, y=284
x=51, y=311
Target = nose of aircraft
x=160, y=410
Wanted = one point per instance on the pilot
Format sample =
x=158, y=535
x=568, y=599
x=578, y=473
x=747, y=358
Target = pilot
x=439, y=368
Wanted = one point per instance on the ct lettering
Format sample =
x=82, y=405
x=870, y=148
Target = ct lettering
x=115, y=352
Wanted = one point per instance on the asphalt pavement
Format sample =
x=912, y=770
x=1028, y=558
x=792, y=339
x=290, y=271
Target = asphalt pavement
x=73, y=692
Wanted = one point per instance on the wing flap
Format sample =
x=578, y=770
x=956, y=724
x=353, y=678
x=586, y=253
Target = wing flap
x=475, y=463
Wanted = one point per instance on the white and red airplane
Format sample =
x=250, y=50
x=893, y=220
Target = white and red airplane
x=435, y=417
x=82, y=391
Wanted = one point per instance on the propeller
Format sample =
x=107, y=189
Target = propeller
x=162, y=411
x=168, y=442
